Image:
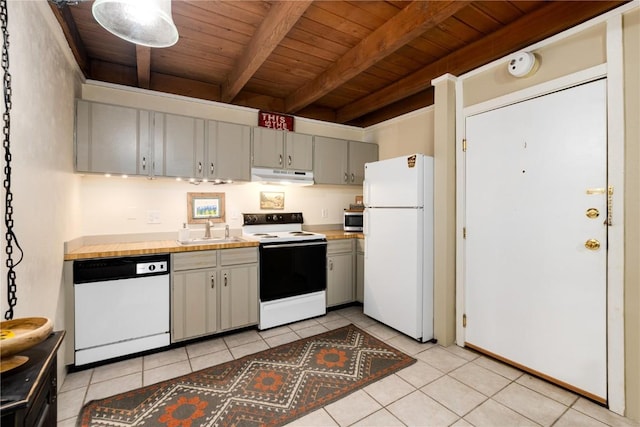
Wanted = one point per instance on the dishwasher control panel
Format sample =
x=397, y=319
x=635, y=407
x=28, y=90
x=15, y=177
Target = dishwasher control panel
x=151, y=267
x=117, y=268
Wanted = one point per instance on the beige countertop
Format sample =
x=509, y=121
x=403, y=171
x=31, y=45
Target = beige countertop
x=339, y=234
x=171, y=246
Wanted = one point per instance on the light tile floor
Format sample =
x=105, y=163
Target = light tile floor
x=447, y=386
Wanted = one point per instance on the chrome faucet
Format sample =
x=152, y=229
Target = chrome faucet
x=226, y=231
x=207, y=230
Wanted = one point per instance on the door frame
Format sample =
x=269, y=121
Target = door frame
x=613, y=72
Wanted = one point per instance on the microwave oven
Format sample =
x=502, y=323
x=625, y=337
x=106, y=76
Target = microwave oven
x=352, y=220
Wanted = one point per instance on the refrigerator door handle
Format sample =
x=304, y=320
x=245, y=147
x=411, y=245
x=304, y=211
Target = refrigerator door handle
x=366, y=189
x=365, y=230
x=365, y=222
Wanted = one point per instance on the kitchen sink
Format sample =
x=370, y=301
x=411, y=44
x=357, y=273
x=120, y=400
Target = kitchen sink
x=212, y=240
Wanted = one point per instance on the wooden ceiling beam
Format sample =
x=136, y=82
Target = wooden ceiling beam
x=68, y=25
x=531, y=28
x=143, y=65
x=282, y=16
x=409, y=23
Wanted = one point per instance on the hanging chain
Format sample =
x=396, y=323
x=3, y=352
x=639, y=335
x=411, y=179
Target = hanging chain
x=10, y=236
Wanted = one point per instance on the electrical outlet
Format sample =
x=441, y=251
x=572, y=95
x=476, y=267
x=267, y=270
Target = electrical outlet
x=153, y=217
x=325, y=213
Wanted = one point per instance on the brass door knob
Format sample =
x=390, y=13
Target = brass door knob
x=592, y=213
x=592, y=244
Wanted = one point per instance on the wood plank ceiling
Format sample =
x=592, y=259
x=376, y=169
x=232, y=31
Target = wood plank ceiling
x=351, y=62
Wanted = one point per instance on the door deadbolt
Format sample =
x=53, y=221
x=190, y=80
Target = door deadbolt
x=592, y=213
x=592, y=244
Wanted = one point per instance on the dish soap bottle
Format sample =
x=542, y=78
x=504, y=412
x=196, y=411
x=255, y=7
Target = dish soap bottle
x=183, y=233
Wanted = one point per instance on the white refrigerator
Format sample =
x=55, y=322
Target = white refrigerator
x=398, y=231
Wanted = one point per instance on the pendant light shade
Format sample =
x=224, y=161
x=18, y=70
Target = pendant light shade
x=143, y=22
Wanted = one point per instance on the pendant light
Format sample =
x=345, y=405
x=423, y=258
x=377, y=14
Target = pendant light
x=143, y=22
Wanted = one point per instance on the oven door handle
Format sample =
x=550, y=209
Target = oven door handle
x=292, y=245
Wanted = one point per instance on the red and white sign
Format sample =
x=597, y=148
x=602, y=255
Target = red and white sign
x=275, y=121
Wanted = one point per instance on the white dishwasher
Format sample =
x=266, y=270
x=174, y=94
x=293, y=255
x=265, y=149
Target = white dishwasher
x=121, y=306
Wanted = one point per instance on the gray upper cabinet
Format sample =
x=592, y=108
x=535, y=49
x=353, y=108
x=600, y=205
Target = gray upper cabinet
x=337, y=161
x=268, y=148
x=129, y=141
x=228, y=151
x=298, y=151
x=112, y=139
x=359, y=154
x=330, y=160
x=282, y=150
x=180, y=139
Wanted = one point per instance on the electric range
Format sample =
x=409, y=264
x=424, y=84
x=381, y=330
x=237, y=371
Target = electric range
x=293, y=267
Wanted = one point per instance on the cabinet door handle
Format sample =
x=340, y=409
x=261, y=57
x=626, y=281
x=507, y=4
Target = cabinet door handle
x=330, y=265
x=225, y=279
x=144, y=163
x=199, y=167
x=289, y=160
x=213, y=281
x=353, y=177
x=346, y=177
x=280, y=159
x=212, y=168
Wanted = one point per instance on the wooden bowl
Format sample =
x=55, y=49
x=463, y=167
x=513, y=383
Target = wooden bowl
x=18, y=335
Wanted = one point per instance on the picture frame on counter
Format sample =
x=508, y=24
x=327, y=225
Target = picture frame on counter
x=203, y=207
x=271, y=200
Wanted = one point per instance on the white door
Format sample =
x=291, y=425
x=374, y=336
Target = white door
x=535, y=294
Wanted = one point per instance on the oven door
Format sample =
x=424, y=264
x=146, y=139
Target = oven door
x=292, y=268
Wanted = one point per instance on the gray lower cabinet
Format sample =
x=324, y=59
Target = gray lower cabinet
x=238, y=288
x=213, y=291
x=340, y=272
x=360, y=270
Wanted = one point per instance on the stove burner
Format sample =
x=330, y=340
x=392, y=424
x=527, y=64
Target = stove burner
x=301, y=233
x=260, y=234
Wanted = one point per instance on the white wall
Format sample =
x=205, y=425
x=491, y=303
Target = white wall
x=120, y=206
x=406, y=134
x=45, y=80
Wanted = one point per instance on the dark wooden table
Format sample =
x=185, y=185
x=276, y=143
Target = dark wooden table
x=28, y=393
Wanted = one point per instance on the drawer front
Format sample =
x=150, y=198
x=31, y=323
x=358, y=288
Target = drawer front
x=238, y=256
x=339, y=246
x=194, y=260
x=360, y=245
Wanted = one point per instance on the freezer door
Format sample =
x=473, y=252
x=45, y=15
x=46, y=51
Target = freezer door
x=397, y=182
x=398, y=277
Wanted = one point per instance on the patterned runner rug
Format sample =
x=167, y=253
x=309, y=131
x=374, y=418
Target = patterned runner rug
x=269, y=388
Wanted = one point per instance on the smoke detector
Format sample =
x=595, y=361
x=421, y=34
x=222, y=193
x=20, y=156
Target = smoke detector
x=522, y=64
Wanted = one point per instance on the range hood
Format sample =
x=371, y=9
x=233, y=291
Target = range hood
x=281, y=176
